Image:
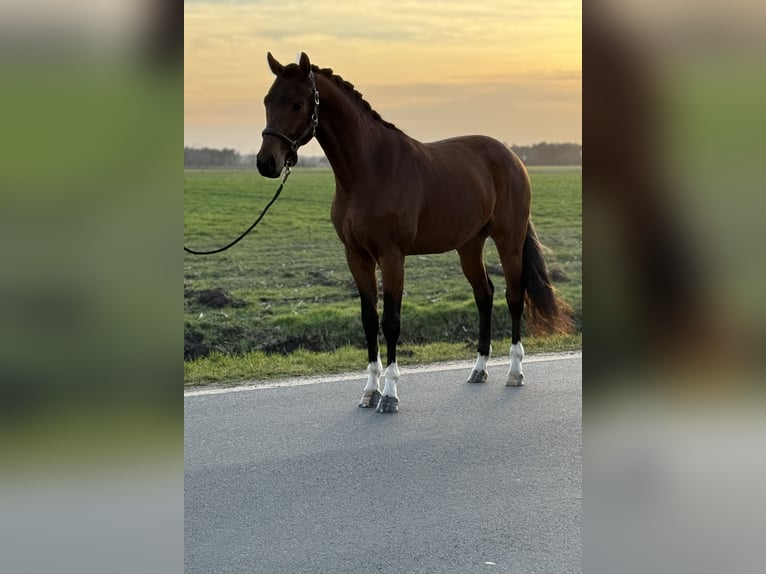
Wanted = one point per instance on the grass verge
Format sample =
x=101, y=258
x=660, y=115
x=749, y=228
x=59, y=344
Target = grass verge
x=219, y=368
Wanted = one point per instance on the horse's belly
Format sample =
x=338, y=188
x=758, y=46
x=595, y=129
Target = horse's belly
x=440, y=241
x=445, y=225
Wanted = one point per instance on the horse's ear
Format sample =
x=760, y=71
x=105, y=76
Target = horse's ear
x=275, y=66
x=304, y=64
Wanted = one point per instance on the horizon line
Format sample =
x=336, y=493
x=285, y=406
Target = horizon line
x=202, y=146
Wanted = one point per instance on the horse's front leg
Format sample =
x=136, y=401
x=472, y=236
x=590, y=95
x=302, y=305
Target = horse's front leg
x=371, y=394
x=392, y=269
x=363, y=271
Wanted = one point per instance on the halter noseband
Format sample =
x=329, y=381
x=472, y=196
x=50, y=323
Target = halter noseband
x=311, y=128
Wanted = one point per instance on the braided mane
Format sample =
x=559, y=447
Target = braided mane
x=349, y=87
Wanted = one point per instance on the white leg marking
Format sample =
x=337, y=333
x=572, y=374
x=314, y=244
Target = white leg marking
x=515, y=374
x=391, y=377
x=481, y=362
x=374, y=371
x=371, y=393
x=479, y=372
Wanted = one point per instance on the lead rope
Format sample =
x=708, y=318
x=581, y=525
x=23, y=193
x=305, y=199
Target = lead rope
x=249, y=229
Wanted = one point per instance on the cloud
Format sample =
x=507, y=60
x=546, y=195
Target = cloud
x=433, y=21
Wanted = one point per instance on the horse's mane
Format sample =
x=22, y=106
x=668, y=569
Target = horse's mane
x=349, y=87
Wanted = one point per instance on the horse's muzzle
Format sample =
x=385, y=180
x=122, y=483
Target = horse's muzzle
x=267, y=167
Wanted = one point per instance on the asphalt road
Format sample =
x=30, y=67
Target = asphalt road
x=464, y=478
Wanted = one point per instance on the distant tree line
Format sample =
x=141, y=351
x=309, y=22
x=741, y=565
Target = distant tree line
x=545, y=153
x=538, y=154
x=210, y=157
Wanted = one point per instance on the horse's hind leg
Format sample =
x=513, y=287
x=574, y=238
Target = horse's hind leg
x=363, y=271
x=510, y=249
x=472, y=262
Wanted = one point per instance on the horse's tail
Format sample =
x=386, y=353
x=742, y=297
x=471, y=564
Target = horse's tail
x=546, y=312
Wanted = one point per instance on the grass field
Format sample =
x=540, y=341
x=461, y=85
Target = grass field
x=298, y=309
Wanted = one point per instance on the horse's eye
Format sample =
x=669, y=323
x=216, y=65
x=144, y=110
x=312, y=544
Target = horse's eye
x=297, y=106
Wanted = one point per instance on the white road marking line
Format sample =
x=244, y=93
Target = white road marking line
x=298, y=382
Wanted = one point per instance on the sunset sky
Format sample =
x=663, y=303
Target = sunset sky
x=511, y=69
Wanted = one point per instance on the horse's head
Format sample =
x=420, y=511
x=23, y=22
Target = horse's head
x=292, y=107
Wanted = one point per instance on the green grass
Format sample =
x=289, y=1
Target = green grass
x=301, y=312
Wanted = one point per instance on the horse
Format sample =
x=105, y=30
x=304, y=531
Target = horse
x=395, y=196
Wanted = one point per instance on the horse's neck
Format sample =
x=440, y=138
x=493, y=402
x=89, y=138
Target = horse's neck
x=346, y=132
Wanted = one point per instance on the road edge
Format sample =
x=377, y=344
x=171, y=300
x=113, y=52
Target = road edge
x=359, y=375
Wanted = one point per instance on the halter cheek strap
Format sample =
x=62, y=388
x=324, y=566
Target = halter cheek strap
x=311, y=129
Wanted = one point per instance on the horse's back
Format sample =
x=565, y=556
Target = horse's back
x=477, y=147
x=459, y=183
x=477, y=160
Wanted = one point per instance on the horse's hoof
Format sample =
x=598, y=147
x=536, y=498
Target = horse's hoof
x=515, y=380
x=388, y=405
x=370, y=399
x=477, y=377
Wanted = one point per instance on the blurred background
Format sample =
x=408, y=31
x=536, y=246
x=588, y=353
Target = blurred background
x=674, y=279
x=90, y=244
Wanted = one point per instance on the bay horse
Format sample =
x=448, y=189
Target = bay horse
x=396, y=196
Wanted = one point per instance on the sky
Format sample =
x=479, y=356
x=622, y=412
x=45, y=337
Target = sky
x=510, y=69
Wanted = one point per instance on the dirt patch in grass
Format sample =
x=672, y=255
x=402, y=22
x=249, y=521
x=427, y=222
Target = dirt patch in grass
x=194, y=344
x=558, y=275
x=217, y=298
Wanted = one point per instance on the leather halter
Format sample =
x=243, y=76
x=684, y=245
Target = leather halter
x=311, y=129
